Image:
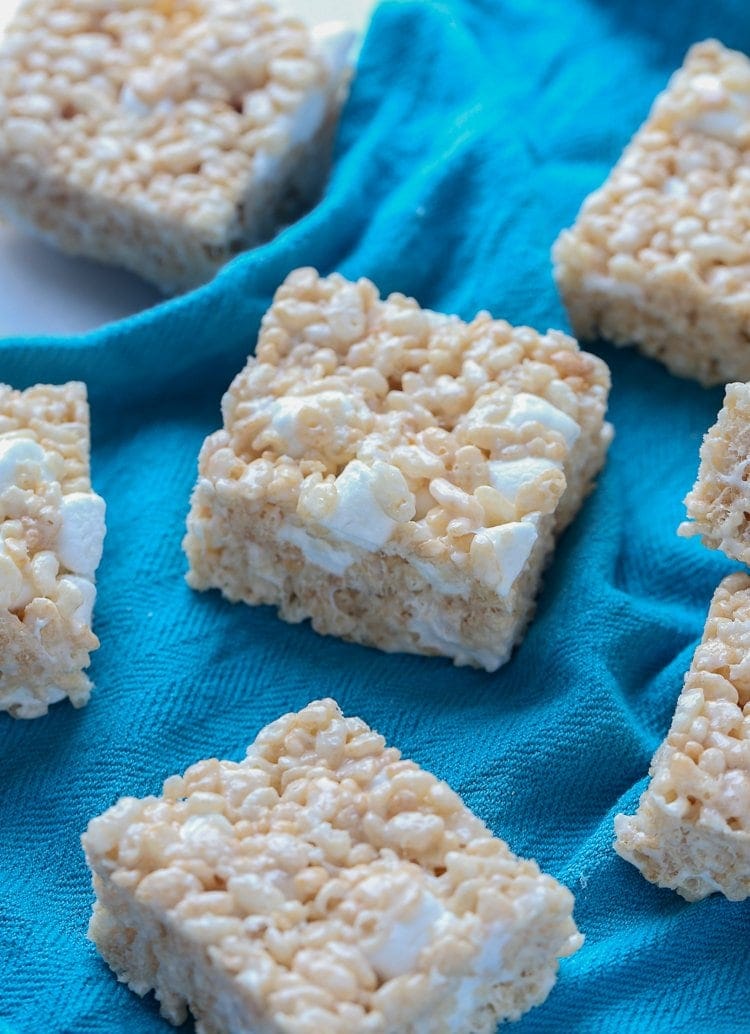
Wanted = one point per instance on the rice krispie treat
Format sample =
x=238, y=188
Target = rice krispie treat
x=692, y=828
x=719, y=504
x=396, y=474
x=660, y=255
x=51, y=534
x=165, y=137
x=322, y=886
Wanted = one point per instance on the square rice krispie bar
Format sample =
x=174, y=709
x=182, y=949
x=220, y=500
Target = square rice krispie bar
x=322, y=886
x=660, y=255
x=51, y=535
x=165, y=137
x=692, y=828
x=719, y=504
x=395, y=474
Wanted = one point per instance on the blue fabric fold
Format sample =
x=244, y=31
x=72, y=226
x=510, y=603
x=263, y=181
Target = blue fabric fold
x=473, y=132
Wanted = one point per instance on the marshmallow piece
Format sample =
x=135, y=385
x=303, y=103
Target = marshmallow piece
x=398, y=942
x=527, y=408
x=81, y=537
x=510, y=476
x=358, y=516
x=15, y=454
x=82, y=615
x=511, y=545
x=327, y=414
x=332, y=558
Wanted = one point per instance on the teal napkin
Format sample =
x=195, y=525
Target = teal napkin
x=473, y=132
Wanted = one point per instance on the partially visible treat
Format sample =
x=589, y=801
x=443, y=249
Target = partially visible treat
x=51, y=535
x=165, y=137
x=718, y=506
x=396, y=474
x=692, y=828
x=659, y=256
x=323, y=885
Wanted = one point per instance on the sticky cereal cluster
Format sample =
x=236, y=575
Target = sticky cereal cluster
x=323, y=883
x=691, y=828
x=51, y=534
x=367, y=427
x=659, y=256
x=164, y=136
x=719, y=502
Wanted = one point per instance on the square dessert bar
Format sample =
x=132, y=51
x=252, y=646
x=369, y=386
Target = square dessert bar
x=659, y=256
x=165, y=137
x=692, y=828
x=51, y=535
x=322, y=886
x=395, y=474
x=718, y=506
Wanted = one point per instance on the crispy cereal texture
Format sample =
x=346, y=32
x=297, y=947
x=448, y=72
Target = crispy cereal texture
x=395, y=474
x=51, y=534
x=164, y=137
x=692, y=828
x=322, y=886
x=718, y=506
x=659, y=256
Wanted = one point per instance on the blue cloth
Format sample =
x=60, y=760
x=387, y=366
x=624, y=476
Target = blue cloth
x=473, y=133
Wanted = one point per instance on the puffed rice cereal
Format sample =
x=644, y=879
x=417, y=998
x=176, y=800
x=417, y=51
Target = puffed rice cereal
x=323, y=885
x=659, y=256
x=692, y=828
x=395, y=474
x=718, y=506
x=165, y=137
x=51, y=535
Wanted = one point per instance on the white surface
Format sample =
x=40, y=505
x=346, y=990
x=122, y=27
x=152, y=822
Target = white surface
x=44, y=292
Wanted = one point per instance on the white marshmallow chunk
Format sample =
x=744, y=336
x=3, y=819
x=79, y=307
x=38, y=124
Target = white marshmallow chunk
x=14, y=452
x=82, y=528
x=358, y=516
x=510, y=476
x=334, y=559
x=512, y=544
x=527, y=408
x=398, y=950
x=84, y=611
